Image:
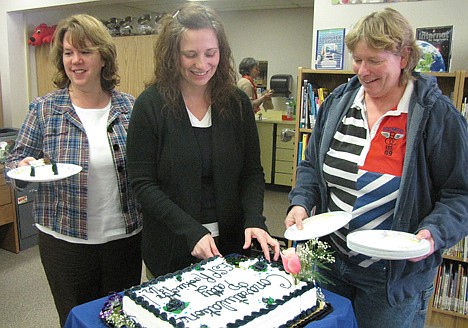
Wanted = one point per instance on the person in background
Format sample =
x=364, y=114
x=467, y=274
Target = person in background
x=193, y=150
x=391, y=150
x=249, y=70
x=90, y=223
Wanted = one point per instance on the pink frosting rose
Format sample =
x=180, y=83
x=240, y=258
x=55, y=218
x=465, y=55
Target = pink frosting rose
x=291, y=261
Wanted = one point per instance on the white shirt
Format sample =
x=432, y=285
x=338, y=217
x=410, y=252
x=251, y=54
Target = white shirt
x=105, y=220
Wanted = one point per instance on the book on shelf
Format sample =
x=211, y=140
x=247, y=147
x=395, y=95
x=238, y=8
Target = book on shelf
x=304, y=142
x=465, y=249
x=312, y=96
x=450, y=290
x=329, y=53
x=436, y=46
x=459, y=250
x=299, y=152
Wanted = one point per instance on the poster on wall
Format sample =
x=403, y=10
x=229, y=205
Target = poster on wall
x=436, y=46
x=330, y=49
x=354, y=2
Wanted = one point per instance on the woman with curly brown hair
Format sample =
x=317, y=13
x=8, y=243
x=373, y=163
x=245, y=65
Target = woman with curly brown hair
x=193, y=150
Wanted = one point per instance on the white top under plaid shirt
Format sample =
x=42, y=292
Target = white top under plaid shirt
x=53, y=128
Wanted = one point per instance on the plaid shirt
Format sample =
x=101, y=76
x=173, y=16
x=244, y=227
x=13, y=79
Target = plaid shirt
x=53, y=128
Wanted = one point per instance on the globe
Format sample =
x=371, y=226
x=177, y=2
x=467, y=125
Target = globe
x=431, y=59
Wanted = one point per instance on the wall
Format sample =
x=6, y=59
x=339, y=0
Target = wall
x=254, y=34
x=419, y=13
x=14, y=57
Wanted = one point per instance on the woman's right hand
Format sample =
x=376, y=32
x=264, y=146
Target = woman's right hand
x=205, y=248
x=25, y=161
x=295, y=216
x=268, y=94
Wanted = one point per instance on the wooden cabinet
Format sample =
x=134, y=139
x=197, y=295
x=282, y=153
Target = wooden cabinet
x=134, y=57
x=284, y=157
x=8, y=224
x=462, y=93
x=276, y=155
x=265, y=135
x=448, y=305
x=449, y=84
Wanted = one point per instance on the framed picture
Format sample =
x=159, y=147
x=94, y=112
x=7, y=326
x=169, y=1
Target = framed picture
x=436, y=45
x=329, y=53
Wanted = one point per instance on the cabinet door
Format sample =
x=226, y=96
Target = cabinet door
x=136, y=65
x=284, y=157
x=265, y=135
x=134, y=57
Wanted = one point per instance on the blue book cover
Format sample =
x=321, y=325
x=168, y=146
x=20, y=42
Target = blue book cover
x=330, y=49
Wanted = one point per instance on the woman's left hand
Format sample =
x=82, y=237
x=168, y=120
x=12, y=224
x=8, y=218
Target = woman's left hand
x=265, y=240
x=424, y=234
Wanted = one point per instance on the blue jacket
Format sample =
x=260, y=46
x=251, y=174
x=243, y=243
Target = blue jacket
x=434, y=184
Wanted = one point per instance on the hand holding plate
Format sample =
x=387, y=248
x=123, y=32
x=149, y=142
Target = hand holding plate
x=295, y=216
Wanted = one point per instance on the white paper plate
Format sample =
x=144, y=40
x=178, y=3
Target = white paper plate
x=387, y=244
x=318, y=225
x=44, y=173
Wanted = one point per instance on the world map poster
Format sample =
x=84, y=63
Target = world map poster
x=436, y=46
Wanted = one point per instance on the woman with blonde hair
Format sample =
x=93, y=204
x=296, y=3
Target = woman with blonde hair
x=391, y=150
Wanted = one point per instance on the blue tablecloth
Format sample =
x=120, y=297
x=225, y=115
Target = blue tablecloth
x=87, y=315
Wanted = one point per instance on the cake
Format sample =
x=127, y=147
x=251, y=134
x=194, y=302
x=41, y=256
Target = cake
x=223, y=292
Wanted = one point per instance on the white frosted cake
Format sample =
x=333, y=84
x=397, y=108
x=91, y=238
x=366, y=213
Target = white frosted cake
x=221, y=292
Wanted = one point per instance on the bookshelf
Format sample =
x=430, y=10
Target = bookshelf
x=449, y=84
x=329, y=79
x=448, y=306
x=453, y=85
x=462, y=89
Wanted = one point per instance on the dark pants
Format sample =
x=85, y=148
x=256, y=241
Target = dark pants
x=78, y=273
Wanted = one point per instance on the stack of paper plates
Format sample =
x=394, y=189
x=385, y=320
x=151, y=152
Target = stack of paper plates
x=318, y=225
x=387, y=244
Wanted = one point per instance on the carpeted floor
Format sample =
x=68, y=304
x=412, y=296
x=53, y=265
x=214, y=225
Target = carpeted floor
x=26, y=298
x=26, y=301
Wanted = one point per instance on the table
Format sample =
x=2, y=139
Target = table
x=86, y=315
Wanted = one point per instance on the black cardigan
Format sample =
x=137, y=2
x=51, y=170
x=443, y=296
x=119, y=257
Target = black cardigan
x=165, y=172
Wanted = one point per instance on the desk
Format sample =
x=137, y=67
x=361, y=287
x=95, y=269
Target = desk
x=87, y=315
x=8, y=224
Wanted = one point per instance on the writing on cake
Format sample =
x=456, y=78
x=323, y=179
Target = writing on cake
x=217, y=293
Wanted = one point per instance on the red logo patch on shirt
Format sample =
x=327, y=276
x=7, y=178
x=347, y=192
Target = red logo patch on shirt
x=388, y=147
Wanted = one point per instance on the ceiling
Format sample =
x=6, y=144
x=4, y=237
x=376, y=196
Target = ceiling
x=219, y=5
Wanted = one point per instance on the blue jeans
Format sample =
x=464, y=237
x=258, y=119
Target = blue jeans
x=366, y=289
